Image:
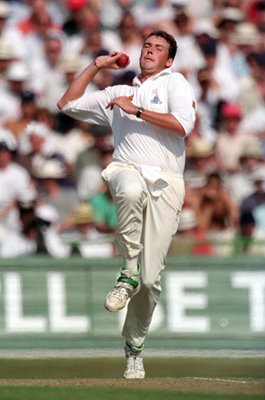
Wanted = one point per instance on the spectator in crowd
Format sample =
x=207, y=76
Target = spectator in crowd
x=79, y=234
x=89, y=181
x=242, y=42
x=65, y=69
x=7, y=56
x=209, y=98
x=248, y=239
x=130, y=39
x=25, y=115
x=226, y=22
x=20, y=243
x=50, y=174
x=255, y=12
x=231, y=140
x=221, y=71
x=252, y=90
x=49, y=67
x=37, y=234
x=37, y=142
x=38, y=11
x=240, y=183
x=10, y=94
x=44, y=44
x=71, y=25
x=257, y=198
x=9, y=34
x=201, y=161
x=14, y=182
x=190, y=58
x=104, y=210
x=190, y=239
x=159, y=13
x=17, y=77
x=215, y=209
x=77, y=140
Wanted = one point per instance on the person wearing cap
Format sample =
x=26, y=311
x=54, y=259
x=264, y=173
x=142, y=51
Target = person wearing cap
x=10, y=96
x=50, y=173
x=243, y=41
x=231, y=140
x=150, y=121
x=33, y=143
x=79, y=233
x=9, y=33
x=201, y=161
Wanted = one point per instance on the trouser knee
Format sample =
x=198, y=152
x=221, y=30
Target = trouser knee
x=131, y=195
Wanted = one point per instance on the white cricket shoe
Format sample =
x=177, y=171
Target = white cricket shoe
x=134, y=364
x=117, y=298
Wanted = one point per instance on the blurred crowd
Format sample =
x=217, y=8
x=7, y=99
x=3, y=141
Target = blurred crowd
x=52, y=197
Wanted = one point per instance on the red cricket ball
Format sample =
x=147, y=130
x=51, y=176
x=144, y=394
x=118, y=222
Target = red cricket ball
x=123, y=61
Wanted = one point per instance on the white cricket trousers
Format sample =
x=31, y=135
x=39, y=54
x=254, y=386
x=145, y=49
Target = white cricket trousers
x=145, y=228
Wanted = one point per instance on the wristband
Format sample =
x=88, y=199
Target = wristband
x=139, y=112
x=96, y=64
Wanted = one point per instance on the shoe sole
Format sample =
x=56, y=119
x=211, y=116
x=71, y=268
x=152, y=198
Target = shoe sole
x=134, y=377
x=108, y=308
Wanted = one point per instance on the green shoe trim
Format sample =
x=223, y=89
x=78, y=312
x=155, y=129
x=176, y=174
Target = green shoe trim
x=131, y=281
x=136, y=349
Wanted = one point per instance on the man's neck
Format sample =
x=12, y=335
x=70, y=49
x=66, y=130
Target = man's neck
x=146, y=75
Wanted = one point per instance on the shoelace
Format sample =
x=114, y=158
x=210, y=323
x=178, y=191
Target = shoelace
x=119, y=292
x=138, y=363
x=134, y=363
x=130, y=364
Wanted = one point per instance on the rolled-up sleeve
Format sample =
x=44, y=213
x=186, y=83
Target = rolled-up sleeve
x=182, y=102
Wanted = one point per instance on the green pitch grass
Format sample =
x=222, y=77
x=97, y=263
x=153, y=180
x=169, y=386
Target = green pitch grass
x=101, y=378
x=34, y=393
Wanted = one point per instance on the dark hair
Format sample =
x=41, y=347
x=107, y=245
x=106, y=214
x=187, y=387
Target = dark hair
x=169, y=39
x=247, y=218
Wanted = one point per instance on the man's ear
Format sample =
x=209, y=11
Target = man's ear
x=169, y=62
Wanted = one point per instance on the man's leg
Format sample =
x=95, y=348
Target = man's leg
x=160, y=224
x=129, y=192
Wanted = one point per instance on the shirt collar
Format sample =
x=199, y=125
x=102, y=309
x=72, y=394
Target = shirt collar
x=166, y=71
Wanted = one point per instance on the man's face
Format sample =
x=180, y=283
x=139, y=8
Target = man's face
x=154, y=55
x=5, y=159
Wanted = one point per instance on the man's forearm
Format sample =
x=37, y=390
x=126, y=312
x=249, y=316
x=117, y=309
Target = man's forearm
x=166, y=121
x=163, y=120
x=77, y=88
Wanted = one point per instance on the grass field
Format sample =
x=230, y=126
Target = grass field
x=100, y=378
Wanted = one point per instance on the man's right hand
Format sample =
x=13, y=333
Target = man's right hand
x=109, y=61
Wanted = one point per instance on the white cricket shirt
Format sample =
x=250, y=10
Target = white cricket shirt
x=136, y=141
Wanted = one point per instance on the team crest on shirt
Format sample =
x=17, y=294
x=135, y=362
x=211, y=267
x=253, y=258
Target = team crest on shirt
x=156, y=99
